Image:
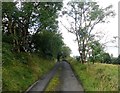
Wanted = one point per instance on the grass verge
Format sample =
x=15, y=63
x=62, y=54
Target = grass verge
x=97, y=77
x=54, y=83
x=19, y=71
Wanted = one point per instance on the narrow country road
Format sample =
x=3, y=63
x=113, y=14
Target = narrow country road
x=68, y=81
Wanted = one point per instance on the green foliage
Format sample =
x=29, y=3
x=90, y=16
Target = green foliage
x=65, y=52
x=97, y=77
x=18, y=22
x=48, y=44
x=114, y=60
x=8, y=8
x=118, y=59
x=78, y=58
x=106, y=58
x=48, y=14
x=97, y=52
x=7, y=38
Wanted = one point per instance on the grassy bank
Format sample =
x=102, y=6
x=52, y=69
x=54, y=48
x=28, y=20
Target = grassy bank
x=97, y=77
x=21, y=70
x=0, y=66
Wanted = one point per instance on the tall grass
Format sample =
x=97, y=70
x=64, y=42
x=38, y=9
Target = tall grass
x=97, y=77
x=19, y=71
x=0, y=67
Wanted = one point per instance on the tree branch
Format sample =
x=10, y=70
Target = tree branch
x=67, y=28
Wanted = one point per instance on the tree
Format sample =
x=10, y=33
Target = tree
x=47, y=44
x=106, y=58
x=114, y=60
x=65, y=52
x=16, y=23
x=118, y=59
x=77, y=58
x=19, y=20
x=97, y=52
x=83, y=17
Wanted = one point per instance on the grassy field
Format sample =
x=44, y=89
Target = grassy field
x=21, y=70
x=97, y=77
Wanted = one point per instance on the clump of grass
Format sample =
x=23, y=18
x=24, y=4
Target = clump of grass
x=54, y=83
x=19, y=71
x=97, y=77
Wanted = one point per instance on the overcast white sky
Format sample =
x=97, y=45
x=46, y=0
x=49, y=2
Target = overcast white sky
x=111, y=29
